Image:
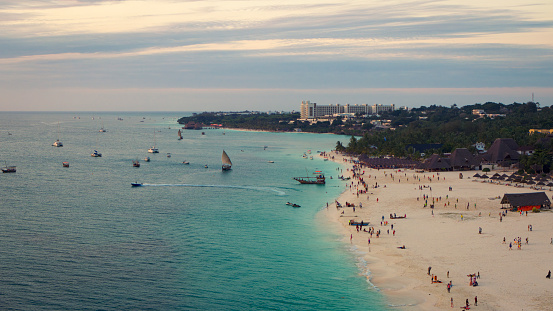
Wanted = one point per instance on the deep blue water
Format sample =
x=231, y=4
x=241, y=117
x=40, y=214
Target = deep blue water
x=81, y=238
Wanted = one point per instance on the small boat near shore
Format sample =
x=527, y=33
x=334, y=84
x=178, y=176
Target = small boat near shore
x=65, y=164
x=135, y=163
x=293, y=204
x=136, y=184
x=96, y=154
x=319, y=179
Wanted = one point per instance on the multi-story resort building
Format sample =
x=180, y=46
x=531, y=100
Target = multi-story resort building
x=311, y=110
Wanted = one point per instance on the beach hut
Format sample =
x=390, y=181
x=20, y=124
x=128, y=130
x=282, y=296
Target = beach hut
x=525, y=201
x=462, y=159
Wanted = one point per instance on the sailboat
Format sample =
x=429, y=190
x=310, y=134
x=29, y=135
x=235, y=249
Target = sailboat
x=154, y=149
x=180, y=135
x=58, y=143
x=103, y=130
x=227, y=164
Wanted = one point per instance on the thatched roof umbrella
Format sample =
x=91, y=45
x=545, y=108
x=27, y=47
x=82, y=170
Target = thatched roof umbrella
x=504, y=175
x=531, y=182
x=550, y=185
x=476, y=175
x=541, y=183
x=484, y=176
x=496, y=175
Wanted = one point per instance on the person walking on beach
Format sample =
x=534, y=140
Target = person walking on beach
x=452, y=302
x=467, y=303
x=429, y=268
x=475, y=301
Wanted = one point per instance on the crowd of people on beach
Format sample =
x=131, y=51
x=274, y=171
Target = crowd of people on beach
x=371, y=182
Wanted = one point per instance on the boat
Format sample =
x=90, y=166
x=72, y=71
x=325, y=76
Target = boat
x=358, y=223
x=394, y=216
x=180, y=135
x=96, y=154
x=293, y=204
x=58, y=143
x=102, y=130
x=147, y=159
x=206, y=166
x=8, y=169
x=270, y=161
x=185, y=162
x=154, y=149
x=227, y=164
x=168, y=154
x=135, y=163
x=136, y=184
x=311, y=158
x=319, y=179
x=65, y=164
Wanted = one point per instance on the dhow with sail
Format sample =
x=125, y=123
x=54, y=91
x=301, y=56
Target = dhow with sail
x=227, y=165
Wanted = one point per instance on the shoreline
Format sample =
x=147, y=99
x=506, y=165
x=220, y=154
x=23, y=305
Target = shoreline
x=510, y=279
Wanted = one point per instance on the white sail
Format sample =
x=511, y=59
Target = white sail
x=226, y=161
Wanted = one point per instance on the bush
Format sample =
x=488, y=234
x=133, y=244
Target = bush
x=485, y=170
x=535, y=210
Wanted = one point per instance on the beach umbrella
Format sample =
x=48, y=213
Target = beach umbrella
x=530, y=182
x=476, y=175
x=484, y=176
x=496, y=175
x=504, y=175
x=550, y=185
x=541, y=183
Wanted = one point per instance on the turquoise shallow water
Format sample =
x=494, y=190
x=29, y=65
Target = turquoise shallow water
x=80, y=238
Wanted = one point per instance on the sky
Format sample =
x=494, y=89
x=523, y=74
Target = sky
x=168, y=55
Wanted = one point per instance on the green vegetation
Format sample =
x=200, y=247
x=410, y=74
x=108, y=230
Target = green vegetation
x=392, y=132
x=282, y=122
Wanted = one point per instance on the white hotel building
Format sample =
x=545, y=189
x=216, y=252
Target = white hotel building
x=311, y=110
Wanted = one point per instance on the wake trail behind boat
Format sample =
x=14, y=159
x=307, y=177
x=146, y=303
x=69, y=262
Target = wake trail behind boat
x=279, y=192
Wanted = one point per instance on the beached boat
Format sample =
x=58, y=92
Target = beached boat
x=227, y=164
x=394, y=216
x=8, y=169
x=319, y=179
x=136, y=184
x=180, y=135
x=65, y=164
x=96, y=154
x=358, y=223
x=135, y=163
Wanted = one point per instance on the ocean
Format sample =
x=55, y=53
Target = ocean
x=192, y=238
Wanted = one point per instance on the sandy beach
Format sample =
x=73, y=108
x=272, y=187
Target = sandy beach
x=447, y=239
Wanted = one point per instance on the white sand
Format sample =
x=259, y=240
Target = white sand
x=510, y=279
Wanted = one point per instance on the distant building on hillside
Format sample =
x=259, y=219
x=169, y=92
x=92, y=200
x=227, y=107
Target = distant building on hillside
x=311, y=110
x=543, y=131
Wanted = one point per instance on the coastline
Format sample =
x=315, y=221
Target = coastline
x=510, y=279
